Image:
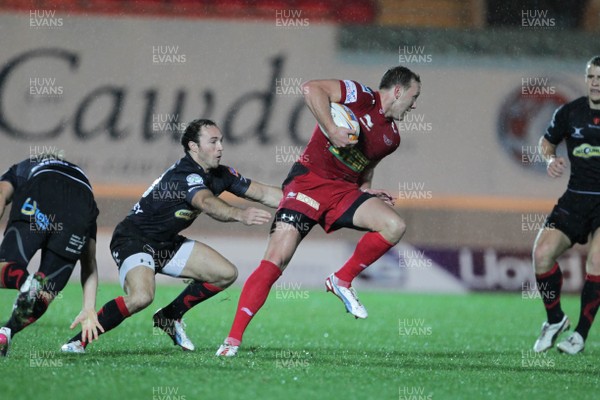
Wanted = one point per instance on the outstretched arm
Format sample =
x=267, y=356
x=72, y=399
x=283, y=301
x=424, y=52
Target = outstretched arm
x=6, y=193
x=268, y=195
x=205, y=201
x=89, y=282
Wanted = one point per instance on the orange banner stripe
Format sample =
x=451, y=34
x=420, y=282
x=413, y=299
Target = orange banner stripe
x=444, y=202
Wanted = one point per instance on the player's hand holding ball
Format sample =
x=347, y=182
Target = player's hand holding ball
x=347, y=128
x=343, y=137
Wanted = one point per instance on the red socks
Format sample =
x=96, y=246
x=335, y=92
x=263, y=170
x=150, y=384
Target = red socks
x=256, y=289
x=368, y=250
x=254, y=294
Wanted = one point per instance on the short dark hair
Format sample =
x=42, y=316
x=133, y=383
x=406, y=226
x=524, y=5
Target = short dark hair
x=192, y=131
x=595, y=61
x=398, y=76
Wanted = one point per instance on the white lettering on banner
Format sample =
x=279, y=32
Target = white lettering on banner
x=111, y=95
x=509, y=272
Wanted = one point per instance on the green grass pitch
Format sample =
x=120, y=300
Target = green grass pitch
x=302, y=345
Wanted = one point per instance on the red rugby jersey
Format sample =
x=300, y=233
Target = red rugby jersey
x=378, y=138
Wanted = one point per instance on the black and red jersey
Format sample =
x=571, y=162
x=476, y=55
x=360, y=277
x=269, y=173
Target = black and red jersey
x=579, y=126
x=165, y=208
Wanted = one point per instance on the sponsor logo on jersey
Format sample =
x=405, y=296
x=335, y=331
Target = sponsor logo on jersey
x=234, y=172
x=586, y=151
x=351, y=157
x=194, y=179
x=387, y=140
x=577, y=133
x=308, y=200
x=30, y=208
x=186, y=214
x=351, y=92
x=291, y=195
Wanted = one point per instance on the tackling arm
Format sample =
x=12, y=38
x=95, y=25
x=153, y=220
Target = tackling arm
x=268, y=195
x=216, y=208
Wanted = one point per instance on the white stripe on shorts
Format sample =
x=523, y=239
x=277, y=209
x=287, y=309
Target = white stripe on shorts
x=175, y=266
x=133, y=261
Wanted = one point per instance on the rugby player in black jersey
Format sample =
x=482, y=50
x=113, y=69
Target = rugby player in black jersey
x=575, y=217
x=53, y=210
x=147, y=241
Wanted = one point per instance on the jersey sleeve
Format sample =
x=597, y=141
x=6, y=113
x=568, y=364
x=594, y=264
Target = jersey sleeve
x=194, y=182
x=356, y=95
x=234, y=181
x=559, y=126
x=10, y=175
x=17, y=174
x=93, y=225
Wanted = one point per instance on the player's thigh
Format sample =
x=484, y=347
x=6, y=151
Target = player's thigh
x=375, y=215
x=205, y=264
x=139, y=285
x=592, y=265
x=549, y=244
x=283, y=242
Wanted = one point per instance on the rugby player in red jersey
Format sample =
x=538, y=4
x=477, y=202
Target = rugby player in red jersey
x=331, y=186
x=575, y=217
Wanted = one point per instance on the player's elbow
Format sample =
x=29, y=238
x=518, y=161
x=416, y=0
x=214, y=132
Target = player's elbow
x=307, y=88
x=202, y=204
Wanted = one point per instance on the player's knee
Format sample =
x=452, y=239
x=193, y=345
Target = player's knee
x=139, y=301
x=227, y=275
x=393, y=229
x=593, y=263
x=543, y=257
x=230, y=274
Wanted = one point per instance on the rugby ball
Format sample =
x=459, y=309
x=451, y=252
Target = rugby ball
x=343, y=116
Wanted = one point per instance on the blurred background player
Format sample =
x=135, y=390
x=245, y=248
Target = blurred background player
x=575, y=216
x=53, y=211
x=331, y=186
x=147, y=241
